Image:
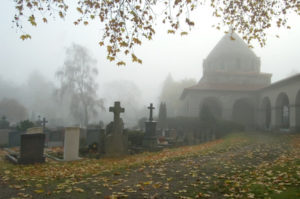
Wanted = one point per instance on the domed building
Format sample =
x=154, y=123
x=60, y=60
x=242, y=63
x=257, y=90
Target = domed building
x=234, y=88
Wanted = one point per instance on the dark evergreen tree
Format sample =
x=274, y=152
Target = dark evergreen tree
x=24, y=125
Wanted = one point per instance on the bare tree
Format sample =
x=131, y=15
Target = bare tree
x=77, y=79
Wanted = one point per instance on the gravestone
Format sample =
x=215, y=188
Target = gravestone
x=14, y=138
x=150, y=138
x=71, y=143
x=31, y=149
x=116, y=140
x=4, y=137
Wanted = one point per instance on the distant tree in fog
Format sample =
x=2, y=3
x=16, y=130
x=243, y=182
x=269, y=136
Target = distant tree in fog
x=77, y=79
x=171, y=92
x=12, y=110
x=130, y=96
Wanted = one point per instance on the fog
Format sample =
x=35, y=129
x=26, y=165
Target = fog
x=28, y=67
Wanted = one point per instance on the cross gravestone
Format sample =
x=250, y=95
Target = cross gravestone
x=116, y=141
x=151, y=108
x=150, y=138
x=117, y=110
x=71, y=143
x=31, y=149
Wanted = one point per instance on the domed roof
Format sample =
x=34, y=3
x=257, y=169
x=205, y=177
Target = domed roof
x=231, y=44
x=231, y=54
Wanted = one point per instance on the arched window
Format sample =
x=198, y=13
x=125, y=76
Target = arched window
x=283, y=111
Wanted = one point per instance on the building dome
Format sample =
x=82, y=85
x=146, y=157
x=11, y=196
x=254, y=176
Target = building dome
x=232, y=54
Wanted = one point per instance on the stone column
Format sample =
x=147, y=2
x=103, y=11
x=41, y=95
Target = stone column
x=292, y=117
x=71, y=145
x=273, y=124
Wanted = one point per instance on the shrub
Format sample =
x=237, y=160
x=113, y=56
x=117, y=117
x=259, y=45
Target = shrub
x=24, y=125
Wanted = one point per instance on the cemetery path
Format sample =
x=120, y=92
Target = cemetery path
x=252, y=166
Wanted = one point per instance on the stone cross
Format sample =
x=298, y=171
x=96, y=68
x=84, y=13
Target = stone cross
x=151, y=107
x=44, y=121
x=117, y=109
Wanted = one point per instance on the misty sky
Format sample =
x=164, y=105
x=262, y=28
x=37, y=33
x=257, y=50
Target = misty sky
x=180, y=56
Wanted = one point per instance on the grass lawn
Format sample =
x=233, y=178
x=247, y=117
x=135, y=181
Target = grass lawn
x=242, y=165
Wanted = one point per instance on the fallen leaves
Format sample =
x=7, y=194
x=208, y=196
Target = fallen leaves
x=235, y=168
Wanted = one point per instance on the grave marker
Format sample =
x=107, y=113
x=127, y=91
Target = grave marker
x=71, y=143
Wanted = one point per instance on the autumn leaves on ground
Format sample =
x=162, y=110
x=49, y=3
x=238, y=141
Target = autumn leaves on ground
x=252, y=165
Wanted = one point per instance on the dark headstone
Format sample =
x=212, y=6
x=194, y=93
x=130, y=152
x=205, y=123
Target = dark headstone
x=150, y=138
x=150, y=129
x=32, y=148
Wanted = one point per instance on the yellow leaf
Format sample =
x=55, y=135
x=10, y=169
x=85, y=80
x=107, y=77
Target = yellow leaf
x=148, y=182
x=39, y=191
x=7, y=172
x=79, y=190
x=137, y=41
x=121, y=63
x=68, y=191
x=31, y=19
x=183, y=33
x=23, y=37
x=61, y=14
x=171, y=32
x=79, y=10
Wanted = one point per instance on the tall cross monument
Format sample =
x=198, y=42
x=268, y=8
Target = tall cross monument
x=117, y=110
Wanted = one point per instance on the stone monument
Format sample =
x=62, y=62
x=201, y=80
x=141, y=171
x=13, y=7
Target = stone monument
x=31, y=149
x=116, y=141
x=150, y=138
x=71, y=143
